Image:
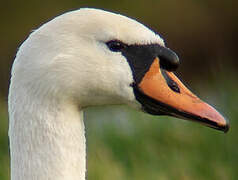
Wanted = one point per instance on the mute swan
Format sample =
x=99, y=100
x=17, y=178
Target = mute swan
x=82, y=58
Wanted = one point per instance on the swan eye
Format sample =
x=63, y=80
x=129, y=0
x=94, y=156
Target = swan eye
x=115, y=46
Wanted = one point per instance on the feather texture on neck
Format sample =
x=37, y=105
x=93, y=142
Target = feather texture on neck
x=48, y=140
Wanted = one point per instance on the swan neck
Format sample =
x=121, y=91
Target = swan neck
x=47, y=141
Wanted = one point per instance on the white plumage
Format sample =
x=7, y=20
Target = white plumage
x=68, y=64
x=61, y=68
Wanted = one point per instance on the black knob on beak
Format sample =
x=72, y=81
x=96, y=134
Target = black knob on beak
x=168, y=59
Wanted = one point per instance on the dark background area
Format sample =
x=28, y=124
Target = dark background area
x=134, y=145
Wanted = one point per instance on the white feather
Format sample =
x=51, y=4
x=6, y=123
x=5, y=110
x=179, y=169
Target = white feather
x=61, y=68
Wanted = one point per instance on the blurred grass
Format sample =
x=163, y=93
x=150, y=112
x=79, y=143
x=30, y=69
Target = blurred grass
x=124, y=144
x=4, y=155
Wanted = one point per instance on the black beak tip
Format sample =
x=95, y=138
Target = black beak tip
x=226, y=128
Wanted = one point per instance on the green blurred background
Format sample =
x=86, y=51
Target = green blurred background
x=122, y=143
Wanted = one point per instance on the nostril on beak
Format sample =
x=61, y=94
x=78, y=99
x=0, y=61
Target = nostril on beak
x=168, y=59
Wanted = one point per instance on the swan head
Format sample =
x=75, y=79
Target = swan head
x=94, y=57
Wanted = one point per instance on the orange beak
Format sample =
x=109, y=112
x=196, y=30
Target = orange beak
x=166, y=94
